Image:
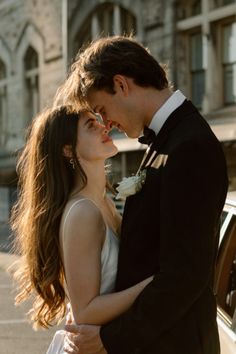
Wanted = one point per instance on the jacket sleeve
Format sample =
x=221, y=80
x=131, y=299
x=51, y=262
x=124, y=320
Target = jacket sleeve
x=193, y=189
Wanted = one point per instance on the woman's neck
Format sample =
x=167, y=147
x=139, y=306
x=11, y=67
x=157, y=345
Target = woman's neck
x=95, y=188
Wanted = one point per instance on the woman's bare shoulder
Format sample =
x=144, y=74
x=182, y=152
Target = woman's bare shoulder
x=81, y=216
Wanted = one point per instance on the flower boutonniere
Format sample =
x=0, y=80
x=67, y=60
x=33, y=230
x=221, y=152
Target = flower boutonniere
x=131, y=185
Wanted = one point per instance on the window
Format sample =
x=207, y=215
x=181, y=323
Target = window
x=229, y=148
x=107, y=19
x=31, y=67
x=196, y=69
x=196, y=8
x=188, y=8
x=227, y=2
x=4, y=204
x=229, y=63
x=2, y=70
x=218, y=3
x=3, y=102
x=128, y=23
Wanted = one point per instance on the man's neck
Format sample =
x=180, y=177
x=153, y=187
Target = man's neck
x=155, y=100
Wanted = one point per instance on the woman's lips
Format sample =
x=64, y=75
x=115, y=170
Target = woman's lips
x=107, y=139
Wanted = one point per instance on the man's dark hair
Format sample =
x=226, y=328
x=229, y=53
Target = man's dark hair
x=97, y=64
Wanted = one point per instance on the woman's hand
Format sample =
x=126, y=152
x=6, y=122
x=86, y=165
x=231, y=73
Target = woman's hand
x=83, y=339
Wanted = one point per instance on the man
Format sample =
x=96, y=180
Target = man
x=170, y=227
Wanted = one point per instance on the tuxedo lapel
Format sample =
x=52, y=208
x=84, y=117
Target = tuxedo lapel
x=185, y=109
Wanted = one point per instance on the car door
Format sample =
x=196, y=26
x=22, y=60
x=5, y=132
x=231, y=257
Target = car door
x=225, y=283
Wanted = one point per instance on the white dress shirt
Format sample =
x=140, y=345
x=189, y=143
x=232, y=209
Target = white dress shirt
x=159, y=118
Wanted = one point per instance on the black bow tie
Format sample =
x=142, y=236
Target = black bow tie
x=148, y=136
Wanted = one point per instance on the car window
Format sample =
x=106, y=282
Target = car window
x=226, y=272
x=223, y=217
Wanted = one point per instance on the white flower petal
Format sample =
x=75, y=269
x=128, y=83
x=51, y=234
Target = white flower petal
x=131, y=185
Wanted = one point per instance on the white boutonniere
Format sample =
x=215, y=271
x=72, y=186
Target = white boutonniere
x=131, y=185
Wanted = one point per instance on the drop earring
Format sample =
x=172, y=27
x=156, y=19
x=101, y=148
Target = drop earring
x=72, y=162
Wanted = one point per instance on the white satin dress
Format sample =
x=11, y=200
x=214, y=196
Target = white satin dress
x=109, y=260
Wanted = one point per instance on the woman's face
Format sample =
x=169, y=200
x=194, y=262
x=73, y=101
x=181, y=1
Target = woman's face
x=93, y=142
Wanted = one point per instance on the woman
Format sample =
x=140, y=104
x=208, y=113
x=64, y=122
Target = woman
x=65, y=225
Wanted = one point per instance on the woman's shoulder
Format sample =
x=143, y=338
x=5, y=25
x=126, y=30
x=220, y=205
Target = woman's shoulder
x=81, y=214
x=83, y=206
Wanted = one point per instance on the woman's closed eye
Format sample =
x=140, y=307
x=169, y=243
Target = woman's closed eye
x=93, y=124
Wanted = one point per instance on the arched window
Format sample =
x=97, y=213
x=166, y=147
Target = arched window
x=31, y=69
x=3, y=102
x=106, y=19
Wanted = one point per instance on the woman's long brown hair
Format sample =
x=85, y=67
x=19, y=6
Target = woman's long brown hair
x=46, y=179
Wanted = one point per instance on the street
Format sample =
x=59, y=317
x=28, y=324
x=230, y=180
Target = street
x=16, y=334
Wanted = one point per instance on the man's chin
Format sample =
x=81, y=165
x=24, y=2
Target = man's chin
x=132, y=135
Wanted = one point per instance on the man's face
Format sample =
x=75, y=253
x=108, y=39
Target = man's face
x=118, y=110
x=105, y=104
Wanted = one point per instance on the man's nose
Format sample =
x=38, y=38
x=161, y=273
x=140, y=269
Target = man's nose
x=108, y=124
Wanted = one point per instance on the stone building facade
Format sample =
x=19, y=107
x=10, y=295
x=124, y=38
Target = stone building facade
x=31, y=67
x=40, y=38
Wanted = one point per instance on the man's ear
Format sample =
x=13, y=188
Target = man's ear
x=67, y=151
x=121, y=84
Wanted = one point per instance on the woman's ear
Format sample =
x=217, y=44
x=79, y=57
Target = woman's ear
x=67, y=151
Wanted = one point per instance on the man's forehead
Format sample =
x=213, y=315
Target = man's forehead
x=95, y=108
x=95, y=97
x=91, y=100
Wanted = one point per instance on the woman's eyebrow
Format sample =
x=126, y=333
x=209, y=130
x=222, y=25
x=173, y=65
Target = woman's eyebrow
x=89, y=120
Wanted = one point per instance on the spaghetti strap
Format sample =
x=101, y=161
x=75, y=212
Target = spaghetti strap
x=76, y=202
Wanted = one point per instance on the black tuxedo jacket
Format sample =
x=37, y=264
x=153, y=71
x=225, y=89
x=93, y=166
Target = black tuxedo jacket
x=170, y=229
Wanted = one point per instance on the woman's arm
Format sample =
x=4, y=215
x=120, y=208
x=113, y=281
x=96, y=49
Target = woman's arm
x=104, y=308
x=83, y=238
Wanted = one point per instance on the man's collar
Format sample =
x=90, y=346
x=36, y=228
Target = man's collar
x=159, y=118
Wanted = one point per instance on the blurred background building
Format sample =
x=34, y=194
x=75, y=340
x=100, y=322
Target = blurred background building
x=40, y=38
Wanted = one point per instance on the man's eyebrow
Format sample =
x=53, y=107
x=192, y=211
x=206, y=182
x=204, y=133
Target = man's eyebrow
x=89, y=120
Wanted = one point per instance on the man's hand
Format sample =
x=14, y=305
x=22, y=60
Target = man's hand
x=83, y=339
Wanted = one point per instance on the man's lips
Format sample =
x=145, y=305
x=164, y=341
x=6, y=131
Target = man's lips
x=119, y=127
